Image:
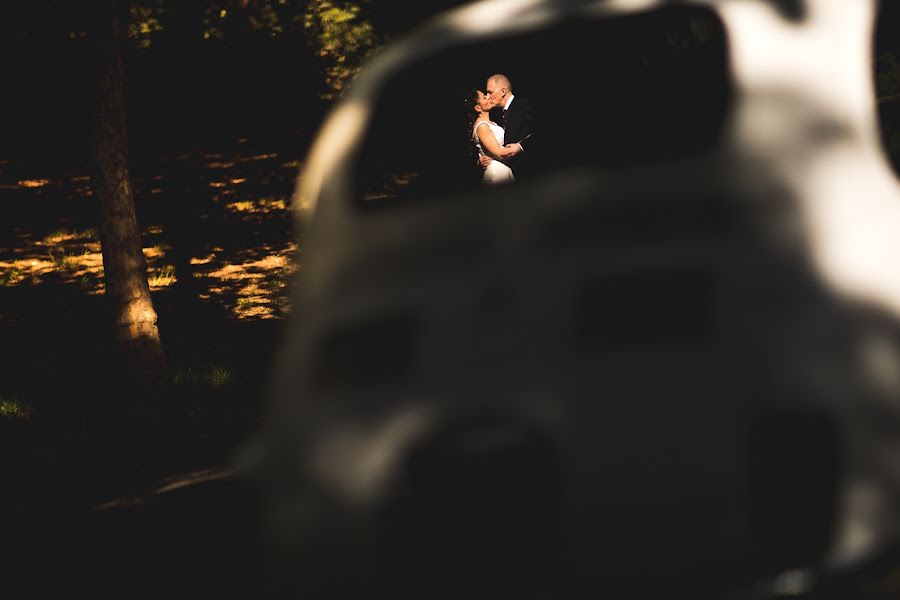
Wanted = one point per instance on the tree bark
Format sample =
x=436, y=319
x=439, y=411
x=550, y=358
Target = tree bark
x=124, y=266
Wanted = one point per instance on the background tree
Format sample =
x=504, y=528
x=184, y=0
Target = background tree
x=124, y=265
x=342, y=38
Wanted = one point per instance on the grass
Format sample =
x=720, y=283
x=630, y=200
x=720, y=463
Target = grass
x=60, y=386
x=75, y=433
x=11, y=276
x=54, y=237
x=163, y=277
x=63, y=261
x=59, y=236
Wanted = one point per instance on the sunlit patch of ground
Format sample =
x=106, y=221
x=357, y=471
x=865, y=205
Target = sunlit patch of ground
x=250, y=188
x=222, y=184
x=67, y=256
x=258, y=157
x=261, y=206
x=33, y=183
x=253, y=283
x=70, y=187
x=258, y=283
x=73, y=258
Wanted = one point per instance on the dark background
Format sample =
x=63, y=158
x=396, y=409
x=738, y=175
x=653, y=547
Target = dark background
x=184, y=90
x=189, y=95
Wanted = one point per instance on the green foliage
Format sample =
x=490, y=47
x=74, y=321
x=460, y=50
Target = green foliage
x=213, y=21
x=269, y=19
x=145, y=22
x=339, y=33
x=62, y=261
x=14, y=407
x=163, y=276
x=10, y=276
x=343, y=40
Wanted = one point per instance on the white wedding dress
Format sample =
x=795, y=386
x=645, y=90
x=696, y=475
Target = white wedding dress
x=496, y=172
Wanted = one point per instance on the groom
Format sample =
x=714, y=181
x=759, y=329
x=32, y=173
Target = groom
x=518, y=122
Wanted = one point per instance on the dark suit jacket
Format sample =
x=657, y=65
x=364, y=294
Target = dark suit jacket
x=520, y=123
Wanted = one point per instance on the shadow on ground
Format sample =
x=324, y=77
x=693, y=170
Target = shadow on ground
x=118, y=491
x=128, y=492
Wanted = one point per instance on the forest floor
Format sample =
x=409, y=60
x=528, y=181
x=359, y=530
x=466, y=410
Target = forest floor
x=132, y=493
x=125, y=493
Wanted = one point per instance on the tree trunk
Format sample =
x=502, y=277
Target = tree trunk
x=124, y=266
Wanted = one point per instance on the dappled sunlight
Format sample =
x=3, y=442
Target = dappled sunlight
x=62, y=256
x=69, y=189
x=77, y=187
x=258, y=157
x=252, y=290
x=73, y=258
x=221, y=184
x=219, y=165
x=33, y=183
x=205, y=260
x=69, y=186
x=253, y=282
x=261, y=206
x=64, y=237
x=231, y=245
x=161, y=277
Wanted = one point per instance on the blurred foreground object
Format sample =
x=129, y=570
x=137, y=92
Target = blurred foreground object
x=669, y=363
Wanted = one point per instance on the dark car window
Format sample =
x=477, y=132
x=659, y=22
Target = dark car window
x=887, y=79
x=609, y=93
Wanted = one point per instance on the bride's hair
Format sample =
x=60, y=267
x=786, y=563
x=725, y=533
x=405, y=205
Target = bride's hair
x=471, y=99
x=471, y=103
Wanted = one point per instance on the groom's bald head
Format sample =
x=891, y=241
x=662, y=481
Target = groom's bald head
x=498, y=88
x=501, y=80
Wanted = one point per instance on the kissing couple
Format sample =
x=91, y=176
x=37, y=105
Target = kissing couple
x=500, y=146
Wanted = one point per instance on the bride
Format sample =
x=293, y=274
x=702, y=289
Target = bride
x=488, y=138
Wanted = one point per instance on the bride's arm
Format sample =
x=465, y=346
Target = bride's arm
x=490, y=145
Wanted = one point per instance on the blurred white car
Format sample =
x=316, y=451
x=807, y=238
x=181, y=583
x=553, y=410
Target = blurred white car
x=667, y=363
